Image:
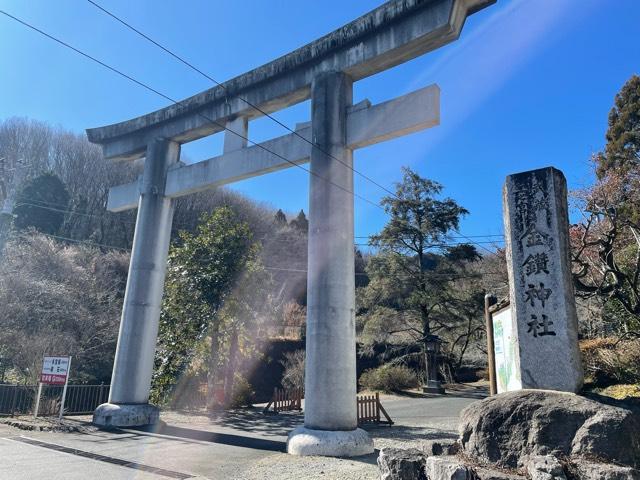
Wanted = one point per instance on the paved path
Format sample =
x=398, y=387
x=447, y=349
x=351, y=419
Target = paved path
x=233, y=446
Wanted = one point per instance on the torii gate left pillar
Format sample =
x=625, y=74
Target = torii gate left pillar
x=133, y=365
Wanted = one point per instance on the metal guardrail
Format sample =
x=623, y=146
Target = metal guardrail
x=21, y=399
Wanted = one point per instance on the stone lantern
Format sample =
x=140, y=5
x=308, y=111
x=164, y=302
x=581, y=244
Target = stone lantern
x=432, y=383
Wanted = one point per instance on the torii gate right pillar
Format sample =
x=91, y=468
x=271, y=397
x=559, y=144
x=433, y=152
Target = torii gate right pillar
x=330, y=420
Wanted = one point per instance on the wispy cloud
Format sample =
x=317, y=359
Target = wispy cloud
x=475, y=67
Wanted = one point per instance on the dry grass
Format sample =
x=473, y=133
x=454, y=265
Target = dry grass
x=609, y=360
x=621, y=391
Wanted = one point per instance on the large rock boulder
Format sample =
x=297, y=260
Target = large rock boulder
x=507, y=429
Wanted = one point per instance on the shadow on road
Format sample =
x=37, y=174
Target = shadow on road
x=222, y=438
x=458, y=390
x=251, y=420
x=404, y=432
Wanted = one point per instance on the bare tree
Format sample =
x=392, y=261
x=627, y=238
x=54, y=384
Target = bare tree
x=60, y=299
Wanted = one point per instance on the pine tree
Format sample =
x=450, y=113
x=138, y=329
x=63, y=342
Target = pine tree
x=300, y=222
x=280, y=218
x=623, y=135
x=410, y=277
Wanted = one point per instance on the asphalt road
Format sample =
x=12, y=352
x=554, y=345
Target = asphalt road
x=195, y=446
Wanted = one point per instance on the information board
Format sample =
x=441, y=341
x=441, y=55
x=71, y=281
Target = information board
x=505, y=352
x=55, y=370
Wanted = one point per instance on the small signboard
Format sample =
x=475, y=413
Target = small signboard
x=505, y=351
x=55, y=370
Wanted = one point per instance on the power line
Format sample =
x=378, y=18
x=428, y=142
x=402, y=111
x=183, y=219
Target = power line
x=176, y=102
x=67, y=239
x=450, y=236
x=281, y=269
x=451, y=244
x=213, y=122
x=71, y=212
x=222, y=85
x=194, y=68
x=75, y=212
x=427, y=274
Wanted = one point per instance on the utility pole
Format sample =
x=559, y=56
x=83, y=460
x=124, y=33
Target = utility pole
x=4, y=221
x=8, y=191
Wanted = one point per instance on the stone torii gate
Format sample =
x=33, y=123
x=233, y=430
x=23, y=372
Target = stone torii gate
x=323, y=71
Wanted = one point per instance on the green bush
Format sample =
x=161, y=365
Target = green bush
x=243, y=393
x=389, y=378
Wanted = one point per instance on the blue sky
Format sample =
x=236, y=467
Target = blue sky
x=528, y=84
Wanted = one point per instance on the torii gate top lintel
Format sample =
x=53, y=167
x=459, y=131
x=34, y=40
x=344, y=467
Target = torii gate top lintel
x=393, y=33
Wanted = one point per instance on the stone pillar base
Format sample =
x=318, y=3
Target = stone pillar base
x=125, y=415
x=433, y=386
x=329, y=443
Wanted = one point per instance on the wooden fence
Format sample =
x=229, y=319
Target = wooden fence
x=285, y=400
x=370, y=408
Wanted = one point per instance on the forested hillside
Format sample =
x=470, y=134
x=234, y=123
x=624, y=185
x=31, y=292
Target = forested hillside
x=236, y=276
x=65, y=257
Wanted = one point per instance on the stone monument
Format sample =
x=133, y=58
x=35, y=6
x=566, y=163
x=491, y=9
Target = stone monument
x=540, y=284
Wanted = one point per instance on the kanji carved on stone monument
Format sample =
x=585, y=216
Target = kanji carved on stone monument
x=541, y=288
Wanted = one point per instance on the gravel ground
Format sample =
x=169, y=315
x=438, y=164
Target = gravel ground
x=288, y=467
x=419, y=422
x=47, y=424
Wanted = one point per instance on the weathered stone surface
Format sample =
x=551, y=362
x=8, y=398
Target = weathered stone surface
x=541, y=288
x=401, y=464
x=339, y=443
x=492, y=474
x=448, y=468
x=588, y=470
x=109, y=415
x=440, y=447
x=545, y=467
x=506, y=429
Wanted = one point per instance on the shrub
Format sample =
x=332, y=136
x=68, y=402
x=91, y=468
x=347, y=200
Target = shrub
x=389, y=378
x=608, y=360
x=243, y=393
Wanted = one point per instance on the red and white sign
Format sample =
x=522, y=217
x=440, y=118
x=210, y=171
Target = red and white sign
x=55, y=370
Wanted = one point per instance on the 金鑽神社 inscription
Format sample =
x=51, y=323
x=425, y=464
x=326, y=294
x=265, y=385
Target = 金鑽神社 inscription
x=532, y=227
x=541, y=289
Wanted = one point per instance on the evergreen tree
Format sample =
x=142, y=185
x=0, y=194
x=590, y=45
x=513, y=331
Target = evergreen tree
x=606, y=244
x=360, y=269
x=410, y=288
x=623, y=135
x=41, y=204
x=280, y=218
x=300, y=222
x=203, y=270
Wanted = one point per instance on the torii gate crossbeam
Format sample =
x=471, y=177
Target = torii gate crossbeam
x=323, y=71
